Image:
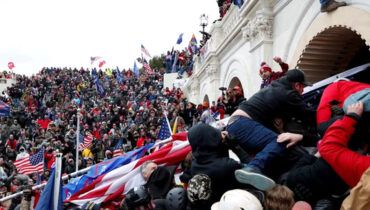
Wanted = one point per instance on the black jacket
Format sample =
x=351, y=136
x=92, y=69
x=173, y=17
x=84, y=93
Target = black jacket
x=277, y=100
x=312, y=179
x=211, y=158
x=232, y=105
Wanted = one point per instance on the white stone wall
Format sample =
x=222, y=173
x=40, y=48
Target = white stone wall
x=258, y=31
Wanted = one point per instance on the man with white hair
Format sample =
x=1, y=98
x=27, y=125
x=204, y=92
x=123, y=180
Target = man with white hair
x=147, y=169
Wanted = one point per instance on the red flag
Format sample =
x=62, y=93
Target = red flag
x=11, y=65
x=101, y=64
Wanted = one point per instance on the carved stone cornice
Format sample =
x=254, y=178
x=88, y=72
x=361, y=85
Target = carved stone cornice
x=259, y=29
x=211, y=69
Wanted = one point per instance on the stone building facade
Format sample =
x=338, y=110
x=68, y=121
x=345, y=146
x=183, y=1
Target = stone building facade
x=321, y=44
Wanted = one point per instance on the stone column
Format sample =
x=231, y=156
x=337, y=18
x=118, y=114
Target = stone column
x=213, y=72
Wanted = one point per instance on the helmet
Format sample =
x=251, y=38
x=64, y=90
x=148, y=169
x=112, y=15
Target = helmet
x=137, y=196
x=237, y=199
x=176, y=198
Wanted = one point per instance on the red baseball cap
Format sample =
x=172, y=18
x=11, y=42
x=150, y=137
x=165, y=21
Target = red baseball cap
x=237, y=88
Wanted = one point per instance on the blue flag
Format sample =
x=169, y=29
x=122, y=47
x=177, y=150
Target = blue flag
x=179, y=40
x=99, y=87
x=239, y=3
x=136, y=70
x=119, y=76
x=104, y=167
x=94, y=74
x=47, y=196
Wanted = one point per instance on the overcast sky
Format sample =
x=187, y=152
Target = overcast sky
x=37, y=33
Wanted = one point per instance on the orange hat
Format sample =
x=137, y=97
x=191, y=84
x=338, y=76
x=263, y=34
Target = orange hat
x=205, y=104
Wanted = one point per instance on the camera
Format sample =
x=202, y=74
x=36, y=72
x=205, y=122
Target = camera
x=222, y=88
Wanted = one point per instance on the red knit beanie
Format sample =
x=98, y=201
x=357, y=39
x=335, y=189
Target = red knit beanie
x=265, y=67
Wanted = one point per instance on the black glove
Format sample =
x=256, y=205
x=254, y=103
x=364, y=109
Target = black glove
x=336, y=111
x=230, y=141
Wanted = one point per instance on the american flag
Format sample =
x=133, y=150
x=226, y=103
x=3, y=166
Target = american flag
x=31, y=164
x=111, y=187
x=145, y=51
x=85, y=142
x=93, y=59
x=147, y=67
x=165, y=131
x=117, y=149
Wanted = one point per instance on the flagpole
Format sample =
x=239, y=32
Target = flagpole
x=168, y=123
x=77, y=137
x=142, y=60
x=58, y=174
x=174, y=126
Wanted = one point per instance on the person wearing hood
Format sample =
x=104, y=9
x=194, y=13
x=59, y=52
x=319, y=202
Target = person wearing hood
x=22, y=153
x=71, y=167
x=211, y=158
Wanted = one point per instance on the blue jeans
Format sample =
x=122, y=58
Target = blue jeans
x=255, y=138
x=168, y=66
x=324, y=3
x=181, y=71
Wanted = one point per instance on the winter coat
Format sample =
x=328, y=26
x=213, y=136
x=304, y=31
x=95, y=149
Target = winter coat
x=275, y=75
x=359, y=195
x=277, y=100
x=312, y=179
x=348, y=164
x=337, y=91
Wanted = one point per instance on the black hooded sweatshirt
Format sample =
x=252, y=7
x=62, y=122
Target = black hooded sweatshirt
x=211, y=158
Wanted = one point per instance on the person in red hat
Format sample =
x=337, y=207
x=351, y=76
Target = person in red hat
x=219, y=107
x=235, y=98
x=268, y=75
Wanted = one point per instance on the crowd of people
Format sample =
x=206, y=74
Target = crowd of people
x=290, y=156
x=275, y=135
x=6, y=75
x=287, y=151
x=179, y=62
x=44, y=111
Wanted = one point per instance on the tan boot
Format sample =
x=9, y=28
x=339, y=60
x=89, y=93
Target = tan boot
x=333, y=5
